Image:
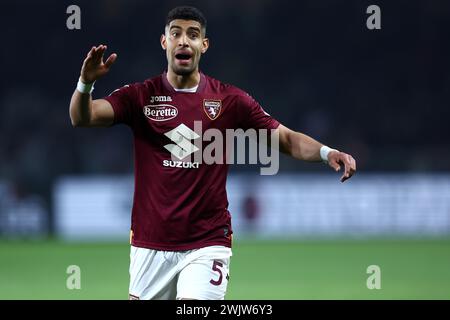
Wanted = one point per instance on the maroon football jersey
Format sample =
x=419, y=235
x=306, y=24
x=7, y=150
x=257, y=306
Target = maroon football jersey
x=181, y=205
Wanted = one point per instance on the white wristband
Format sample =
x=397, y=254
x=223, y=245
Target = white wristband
x=324, y=151
x=85, y=87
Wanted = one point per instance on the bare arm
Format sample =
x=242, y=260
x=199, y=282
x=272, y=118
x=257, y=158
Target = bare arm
x=303, y=147
x=85, y=112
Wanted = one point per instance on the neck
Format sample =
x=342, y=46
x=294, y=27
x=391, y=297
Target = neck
x=183, y=81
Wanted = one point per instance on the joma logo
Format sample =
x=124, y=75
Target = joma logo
x=160, y=99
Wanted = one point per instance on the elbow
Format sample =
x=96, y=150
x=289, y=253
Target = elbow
x=76, y=120
x=77, y=123
x=73, y=119
x=77, y=117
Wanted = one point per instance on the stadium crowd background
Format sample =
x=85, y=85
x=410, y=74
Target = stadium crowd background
x=381, y=95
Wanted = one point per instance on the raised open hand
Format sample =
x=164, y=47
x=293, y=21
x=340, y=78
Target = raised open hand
x=93, y=66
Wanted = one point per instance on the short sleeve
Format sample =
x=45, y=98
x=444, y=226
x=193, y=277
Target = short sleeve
x=122, y=101
x=252, y=115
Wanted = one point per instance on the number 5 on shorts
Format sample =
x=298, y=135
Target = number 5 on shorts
x=215, y=268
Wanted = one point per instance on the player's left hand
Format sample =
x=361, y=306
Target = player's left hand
x=336, y=159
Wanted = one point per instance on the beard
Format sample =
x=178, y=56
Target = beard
x=184, y=70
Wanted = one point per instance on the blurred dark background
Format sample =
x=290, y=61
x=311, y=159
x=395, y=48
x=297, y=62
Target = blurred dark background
x=381, y=95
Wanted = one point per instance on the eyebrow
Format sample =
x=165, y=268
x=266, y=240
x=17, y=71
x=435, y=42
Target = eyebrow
x=189, y=29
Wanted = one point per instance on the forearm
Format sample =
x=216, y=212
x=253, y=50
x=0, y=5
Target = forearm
x=80, y=108
x=302, y=147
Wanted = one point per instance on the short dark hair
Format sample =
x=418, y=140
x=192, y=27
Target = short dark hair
x=187, y=13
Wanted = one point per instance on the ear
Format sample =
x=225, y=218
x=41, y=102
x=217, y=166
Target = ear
x=163, y=42
x=205, y=45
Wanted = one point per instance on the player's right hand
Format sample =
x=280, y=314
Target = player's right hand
x=93, y=66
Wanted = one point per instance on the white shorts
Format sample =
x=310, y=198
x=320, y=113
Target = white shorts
x=200, y=274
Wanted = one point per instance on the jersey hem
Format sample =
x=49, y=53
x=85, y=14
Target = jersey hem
x=166, y=247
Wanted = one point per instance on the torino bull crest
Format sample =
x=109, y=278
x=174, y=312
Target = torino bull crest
x=212, y=108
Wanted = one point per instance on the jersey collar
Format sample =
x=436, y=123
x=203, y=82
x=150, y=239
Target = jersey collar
x=168, y=86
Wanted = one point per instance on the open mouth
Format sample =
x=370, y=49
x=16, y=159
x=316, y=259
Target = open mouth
x=183, y=57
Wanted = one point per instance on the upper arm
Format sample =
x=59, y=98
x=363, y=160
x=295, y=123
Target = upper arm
x=285, y=141
x=102, y=113
x=251, y=115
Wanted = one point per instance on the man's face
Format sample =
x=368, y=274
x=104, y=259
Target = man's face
x=184, y=44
